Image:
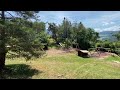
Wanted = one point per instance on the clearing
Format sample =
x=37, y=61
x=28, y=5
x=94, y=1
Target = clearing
x=59, y=64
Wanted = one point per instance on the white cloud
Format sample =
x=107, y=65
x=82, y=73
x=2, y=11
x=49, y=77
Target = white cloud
x=112, y=28
x=104, y=19
x=108, y=23
x=53, y=16
x=105, y=23
x=99, y=20
x=98, y=29
x=111, y=16
x=112, y=22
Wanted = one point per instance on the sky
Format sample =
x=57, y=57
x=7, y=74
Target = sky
x=98, y=20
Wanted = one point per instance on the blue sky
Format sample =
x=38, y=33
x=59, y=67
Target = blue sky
x=99, y=20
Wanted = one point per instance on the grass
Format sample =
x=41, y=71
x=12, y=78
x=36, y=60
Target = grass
x=18, y=71
x=64, y=66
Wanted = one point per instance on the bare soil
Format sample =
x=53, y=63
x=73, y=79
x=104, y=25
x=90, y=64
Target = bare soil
x=101, y=55
x=54, y=52
x=98, y=55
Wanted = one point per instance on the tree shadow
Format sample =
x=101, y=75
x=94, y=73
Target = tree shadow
x=18, y=71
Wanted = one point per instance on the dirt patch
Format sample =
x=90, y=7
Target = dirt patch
x=100, y=55
x=54, y=52
x=97, y=55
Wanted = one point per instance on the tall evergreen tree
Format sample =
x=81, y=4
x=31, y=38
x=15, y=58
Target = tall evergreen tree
x=26, y=15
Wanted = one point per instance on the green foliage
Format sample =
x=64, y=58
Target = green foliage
x=22, y=38
x=98, y=45
x=86, y=37
x=117, y=44
x=27, y=14
x=73, y=33
x=54, y=30
x=112, y=46
x=117, y=36
x=39, y=26
x=67, y=43
x=108, y=44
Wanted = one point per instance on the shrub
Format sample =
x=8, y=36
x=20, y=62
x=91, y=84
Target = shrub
x=106, y=44
x=117, y=44
x=98, y=45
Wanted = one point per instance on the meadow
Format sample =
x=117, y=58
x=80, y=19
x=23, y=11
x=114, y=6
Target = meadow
x=57, y=64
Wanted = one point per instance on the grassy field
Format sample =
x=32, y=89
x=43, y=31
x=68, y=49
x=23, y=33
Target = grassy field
x=64, y=66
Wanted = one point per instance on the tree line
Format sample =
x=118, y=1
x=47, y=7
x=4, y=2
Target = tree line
x=70, y=34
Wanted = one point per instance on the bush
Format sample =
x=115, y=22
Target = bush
x=106, y=44
x=91, y=49
x=117, y=44
x=98, y=45
x=117, y=50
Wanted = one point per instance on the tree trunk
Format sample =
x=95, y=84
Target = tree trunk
x=2, y=61
x=2, y=43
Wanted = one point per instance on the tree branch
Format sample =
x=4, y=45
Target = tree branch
x=10, y=14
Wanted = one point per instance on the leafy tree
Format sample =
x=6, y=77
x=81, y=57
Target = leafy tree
x=86, y=37
x=65, y=33
x=4, y=26
x=54, y=30
x=92, y=36
x=77, y=34
x=39, y=26
x=81, y=37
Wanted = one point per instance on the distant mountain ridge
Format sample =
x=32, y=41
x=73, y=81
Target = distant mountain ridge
x=107, y=35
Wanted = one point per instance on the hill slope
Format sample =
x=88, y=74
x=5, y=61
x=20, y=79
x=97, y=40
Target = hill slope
x=107, y=35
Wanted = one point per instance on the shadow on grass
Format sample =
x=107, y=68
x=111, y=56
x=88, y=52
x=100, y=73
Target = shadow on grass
x=18, y=71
